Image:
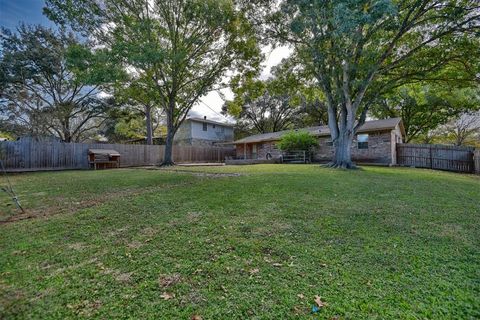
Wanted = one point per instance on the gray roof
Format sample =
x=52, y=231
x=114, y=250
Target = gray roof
x=368, y=126
x=225, y=124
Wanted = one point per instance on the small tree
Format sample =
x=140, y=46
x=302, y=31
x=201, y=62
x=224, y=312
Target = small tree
x=298, y=140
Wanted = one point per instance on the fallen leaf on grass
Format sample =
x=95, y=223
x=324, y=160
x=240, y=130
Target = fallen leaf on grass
x=277, y=264
x=253, y=271
x=319, y=302
x=196, y=317
x=167, y=296
x=301, y=296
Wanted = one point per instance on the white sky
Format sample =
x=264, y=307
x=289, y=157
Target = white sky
x=211, y=104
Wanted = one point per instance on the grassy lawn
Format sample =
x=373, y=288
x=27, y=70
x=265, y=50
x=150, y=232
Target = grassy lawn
x=377, y=243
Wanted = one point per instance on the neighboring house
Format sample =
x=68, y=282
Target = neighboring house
x=375, y=142
x=203, y=132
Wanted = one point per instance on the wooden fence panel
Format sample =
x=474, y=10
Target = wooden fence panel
x=32, y=155
x=434, y=156
x=476, y=158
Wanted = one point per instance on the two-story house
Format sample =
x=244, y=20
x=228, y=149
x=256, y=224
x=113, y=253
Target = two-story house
x=203, y=132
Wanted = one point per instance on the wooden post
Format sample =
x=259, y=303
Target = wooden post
x=476, y=161
x=431, y=160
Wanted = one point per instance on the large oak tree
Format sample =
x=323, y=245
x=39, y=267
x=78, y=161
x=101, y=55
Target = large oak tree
x=357, y=48
x=184, y=47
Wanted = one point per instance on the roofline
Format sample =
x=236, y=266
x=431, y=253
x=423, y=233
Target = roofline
x=323, y=134
x=226, y=124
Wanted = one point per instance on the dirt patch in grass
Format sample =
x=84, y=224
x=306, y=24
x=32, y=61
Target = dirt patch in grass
x=77, y=246
x=196, y=173
x=168, y=280
x=61, y=205
x=85, y=308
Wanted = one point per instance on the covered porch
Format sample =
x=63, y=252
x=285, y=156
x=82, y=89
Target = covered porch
x=247, y=151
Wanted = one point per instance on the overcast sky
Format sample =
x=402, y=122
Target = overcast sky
x=13, y=12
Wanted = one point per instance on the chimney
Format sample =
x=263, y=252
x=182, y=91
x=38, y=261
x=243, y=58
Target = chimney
x=204, y=117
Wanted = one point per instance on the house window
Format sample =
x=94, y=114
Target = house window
x=362, y=140
x=205, y=127
x=222, y=129
x=213, y=126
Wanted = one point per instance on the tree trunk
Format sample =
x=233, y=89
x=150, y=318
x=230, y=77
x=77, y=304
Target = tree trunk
x=342, y=157
x=167, y=159
x=148, y=120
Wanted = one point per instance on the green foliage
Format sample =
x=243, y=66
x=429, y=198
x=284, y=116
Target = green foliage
x=356, y=50
x=175, y=51
x=298, y=140
x=281, y=102
x=40, y=92
x=426, y=107
x=6, y=135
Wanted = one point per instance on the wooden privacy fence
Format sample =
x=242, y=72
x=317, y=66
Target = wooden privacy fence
x=33, y=155
x=435, y=156
x=476, y=158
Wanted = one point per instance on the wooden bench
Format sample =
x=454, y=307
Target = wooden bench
x=103, y=158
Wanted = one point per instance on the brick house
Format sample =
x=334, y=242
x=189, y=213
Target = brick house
x=375, y=142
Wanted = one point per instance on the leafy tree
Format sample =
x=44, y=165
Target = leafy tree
x=424, y=108
x=298, y=140
x=357, y=48
x=269, y=113
x=183, y=48
x=281, y=102
x=39, y=93
x=137, y=97
x=463, y=130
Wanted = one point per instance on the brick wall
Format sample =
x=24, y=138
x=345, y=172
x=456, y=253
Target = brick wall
x=379, y=149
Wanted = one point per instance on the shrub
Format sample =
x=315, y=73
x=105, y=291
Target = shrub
x=297, y=140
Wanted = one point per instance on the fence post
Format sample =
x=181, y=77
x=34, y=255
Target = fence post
x=476, y=161
x=431, y=158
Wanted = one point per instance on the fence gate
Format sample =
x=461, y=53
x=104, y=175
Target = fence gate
x=436, y=156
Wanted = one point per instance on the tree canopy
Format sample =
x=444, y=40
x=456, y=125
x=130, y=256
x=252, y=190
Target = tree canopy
x=39, y=92
x=425, y=107
x=181, y=49
x=355, y=49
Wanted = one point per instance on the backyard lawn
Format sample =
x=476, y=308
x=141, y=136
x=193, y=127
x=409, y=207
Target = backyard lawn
x=247, y=242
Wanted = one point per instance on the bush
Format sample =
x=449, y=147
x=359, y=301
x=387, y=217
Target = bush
x=298, y=140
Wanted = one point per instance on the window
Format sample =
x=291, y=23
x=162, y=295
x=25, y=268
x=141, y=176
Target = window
x=213, y=126
x=362, y=140
x=329, y=143
x=254, y=151
x=222, y=129
x=205, y=127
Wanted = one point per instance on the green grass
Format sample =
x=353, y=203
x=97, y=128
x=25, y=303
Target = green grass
x=377, y=243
